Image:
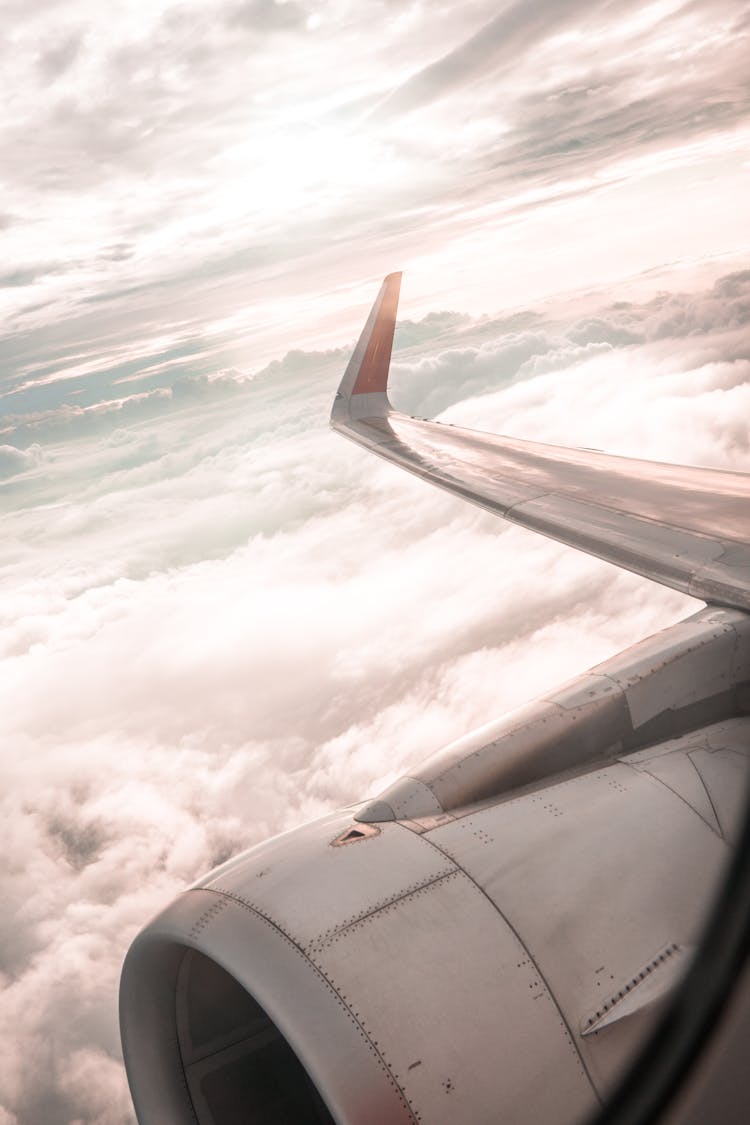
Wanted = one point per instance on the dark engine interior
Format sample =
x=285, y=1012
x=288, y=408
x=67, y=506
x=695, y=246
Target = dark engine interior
x=240, y=1069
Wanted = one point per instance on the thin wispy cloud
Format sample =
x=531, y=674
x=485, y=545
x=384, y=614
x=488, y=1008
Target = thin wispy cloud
x=218, y=619
x=185, y=162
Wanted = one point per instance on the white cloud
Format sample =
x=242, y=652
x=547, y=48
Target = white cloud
x=187, y=162
x=14, y=461
x=221, y=620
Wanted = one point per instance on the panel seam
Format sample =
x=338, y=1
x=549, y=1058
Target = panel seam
x=708, y=794
x=718, y=833
x=529, y=954
x=325, y=979
x=319, y=943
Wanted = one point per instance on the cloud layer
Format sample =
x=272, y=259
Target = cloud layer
x=220, y=620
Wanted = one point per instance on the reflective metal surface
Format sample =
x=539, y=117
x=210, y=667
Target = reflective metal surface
x=498, y=935
x=685, y=527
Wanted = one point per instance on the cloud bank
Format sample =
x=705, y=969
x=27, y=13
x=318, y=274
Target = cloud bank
x=221, y=620
x=218, y=619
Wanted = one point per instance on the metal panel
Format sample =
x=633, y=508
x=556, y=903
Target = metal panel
x=690, y=674
x=342, y=1061
x=724, y=774
x=461, y=1013
x=688, y=528
x=732, y=734
x=695, y=740
x=679, y=773
x=596, y=874
x=311, y=888
x=690, y=661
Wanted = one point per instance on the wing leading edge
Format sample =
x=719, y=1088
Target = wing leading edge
x=686, y=527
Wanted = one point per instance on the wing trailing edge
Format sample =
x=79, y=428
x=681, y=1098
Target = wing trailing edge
x=682, y=526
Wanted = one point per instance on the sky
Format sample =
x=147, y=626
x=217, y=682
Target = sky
x=219, y=619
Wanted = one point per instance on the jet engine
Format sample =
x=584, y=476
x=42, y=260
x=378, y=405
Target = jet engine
x=491, y=940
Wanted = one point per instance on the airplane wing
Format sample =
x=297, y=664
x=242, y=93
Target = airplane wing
x=496, y=934
x=686, y=527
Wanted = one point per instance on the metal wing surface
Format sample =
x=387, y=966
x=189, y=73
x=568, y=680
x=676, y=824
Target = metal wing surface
x=686, y=527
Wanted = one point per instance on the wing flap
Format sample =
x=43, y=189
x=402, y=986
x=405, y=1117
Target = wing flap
x=683, y=526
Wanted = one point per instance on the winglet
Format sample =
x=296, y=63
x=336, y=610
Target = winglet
x=363, y=389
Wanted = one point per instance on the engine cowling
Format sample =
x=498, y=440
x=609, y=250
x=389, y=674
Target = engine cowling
x=497, y=960
x=361, y=978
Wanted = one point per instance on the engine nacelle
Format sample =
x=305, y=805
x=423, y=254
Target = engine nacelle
x=501, y=960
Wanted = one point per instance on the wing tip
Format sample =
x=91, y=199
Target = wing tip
x=363, y=389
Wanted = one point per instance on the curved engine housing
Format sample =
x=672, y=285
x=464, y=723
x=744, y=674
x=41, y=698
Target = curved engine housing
x=492, y=937
x=506, y=961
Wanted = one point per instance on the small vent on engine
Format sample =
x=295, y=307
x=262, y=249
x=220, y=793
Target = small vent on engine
x=356, y=832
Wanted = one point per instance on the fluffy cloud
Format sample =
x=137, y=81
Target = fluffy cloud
x=220, y=620
x=711, y=326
